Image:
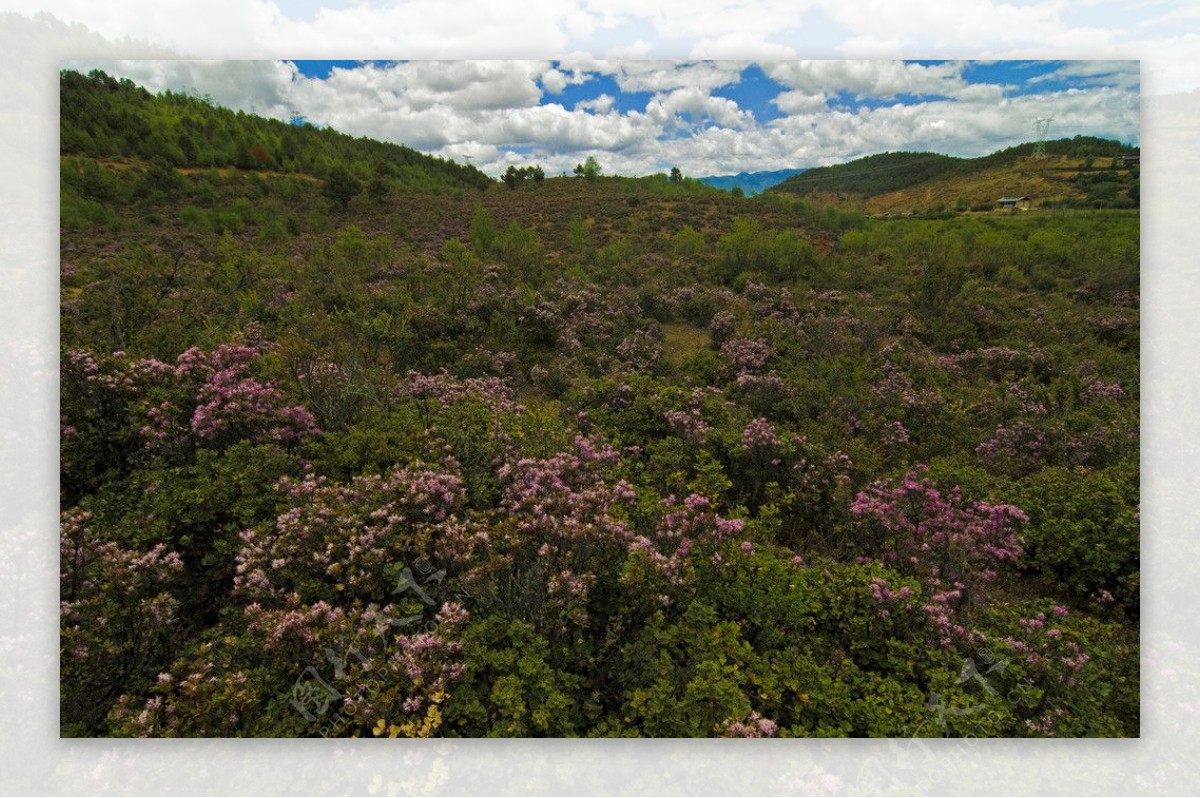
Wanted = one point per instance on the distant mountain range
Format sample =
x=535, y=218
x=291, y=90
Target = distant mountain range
x=750, y=182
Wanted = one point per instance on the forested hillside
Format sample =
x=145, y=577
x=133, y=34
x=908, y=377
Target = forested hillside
x=103, y=117
x=1079, y=172
x=583, y=456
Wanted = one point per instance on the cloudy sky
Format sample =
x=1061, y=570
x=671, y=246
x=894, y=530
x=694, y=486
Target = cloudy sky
x=642, y=116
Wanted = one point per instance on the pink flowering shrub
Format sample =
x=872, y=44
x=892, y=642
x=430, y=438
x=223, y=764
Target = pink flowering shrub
x=117, y=410
x=641, y=351
x=102, y=406
x=336, y=672
x=341, y=541
x=760, y=439
x=769, y=302
x=223, y=402
x=562, y=527
x=1097, y=390
x=702, y=409
x=688, y=424
x=118, y=614
x=895, y=437
x=585, y=324
x=326, y=584
x=753, y=725
x=1018, y=448
x=896, y=392
x=441, y=390
x=1061, y=673
x=662, y=564
x=952, y=546
x=745, y=355
x=722, y=327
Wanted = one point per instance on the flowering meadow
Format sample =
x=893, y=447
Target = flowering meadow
x=583, y=456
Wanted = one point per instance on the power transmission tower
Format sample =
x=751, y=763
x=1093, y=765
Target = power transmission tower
x=1042, y=127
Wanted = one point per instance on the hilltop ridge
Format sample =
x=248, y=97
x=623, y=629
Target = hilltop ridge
x=106, y=118
x=1080, y=171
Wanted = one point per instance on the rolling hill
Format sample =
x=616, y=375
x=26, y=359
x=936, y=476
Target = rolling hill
x=1080, y=171
x=106, y=118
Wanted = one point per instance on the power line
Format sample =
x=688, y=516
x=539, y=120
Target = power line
x=1041, y=127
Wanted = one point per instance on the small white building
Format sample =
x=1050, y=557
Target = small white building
x=1021, y=203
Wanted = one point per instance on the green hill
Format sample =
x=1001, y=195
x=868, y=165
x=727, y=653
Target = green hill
x=105, y=118
x=915, y=181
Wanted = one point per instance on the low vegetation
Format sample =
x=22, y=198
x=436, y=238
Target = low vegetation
x=582, y=456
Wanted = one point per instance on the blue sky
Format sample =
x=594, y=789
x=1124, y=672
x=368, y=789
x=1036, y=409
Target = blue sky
x=705, y=116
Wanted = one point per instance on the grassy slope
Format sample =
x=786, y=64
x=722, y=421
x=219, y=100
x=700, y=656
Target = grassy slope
x=913, y=182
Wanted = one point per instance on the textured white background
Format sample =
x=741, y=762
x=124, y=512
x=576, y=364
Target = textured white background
x=1164, y=35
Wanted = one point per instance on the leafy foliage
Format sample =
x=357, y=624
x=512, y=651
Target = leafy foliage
x=599, y=457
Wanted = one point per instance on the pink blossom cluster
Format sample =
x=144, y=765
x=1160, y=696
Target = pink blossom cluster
x=229, y=398
x=445, y=389
x=1045, y=724
x=746, y=355
x=688, y=424
x=565, y=521
x=882, y=593
x=682, y=531
x=722, y=327
x=772, y=303
x=1019, y=446
x=1097, y=390
x=345, y=534
x=1028, y=402
x=767, y=387
x=895, y=388
x=580, y=318
x=759, y=437
x=1125, y=299
x=895, y=436
x=993, y=362
x=565, y=491
x=753, y=725
x=117, y=607
x=953, y=547
x=88, y=561
x=204, y=396
x=641, y=351
x=92, y=384
x=1112, y=324
x=118, y=370
x=366, y=661
x=1040, y=643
